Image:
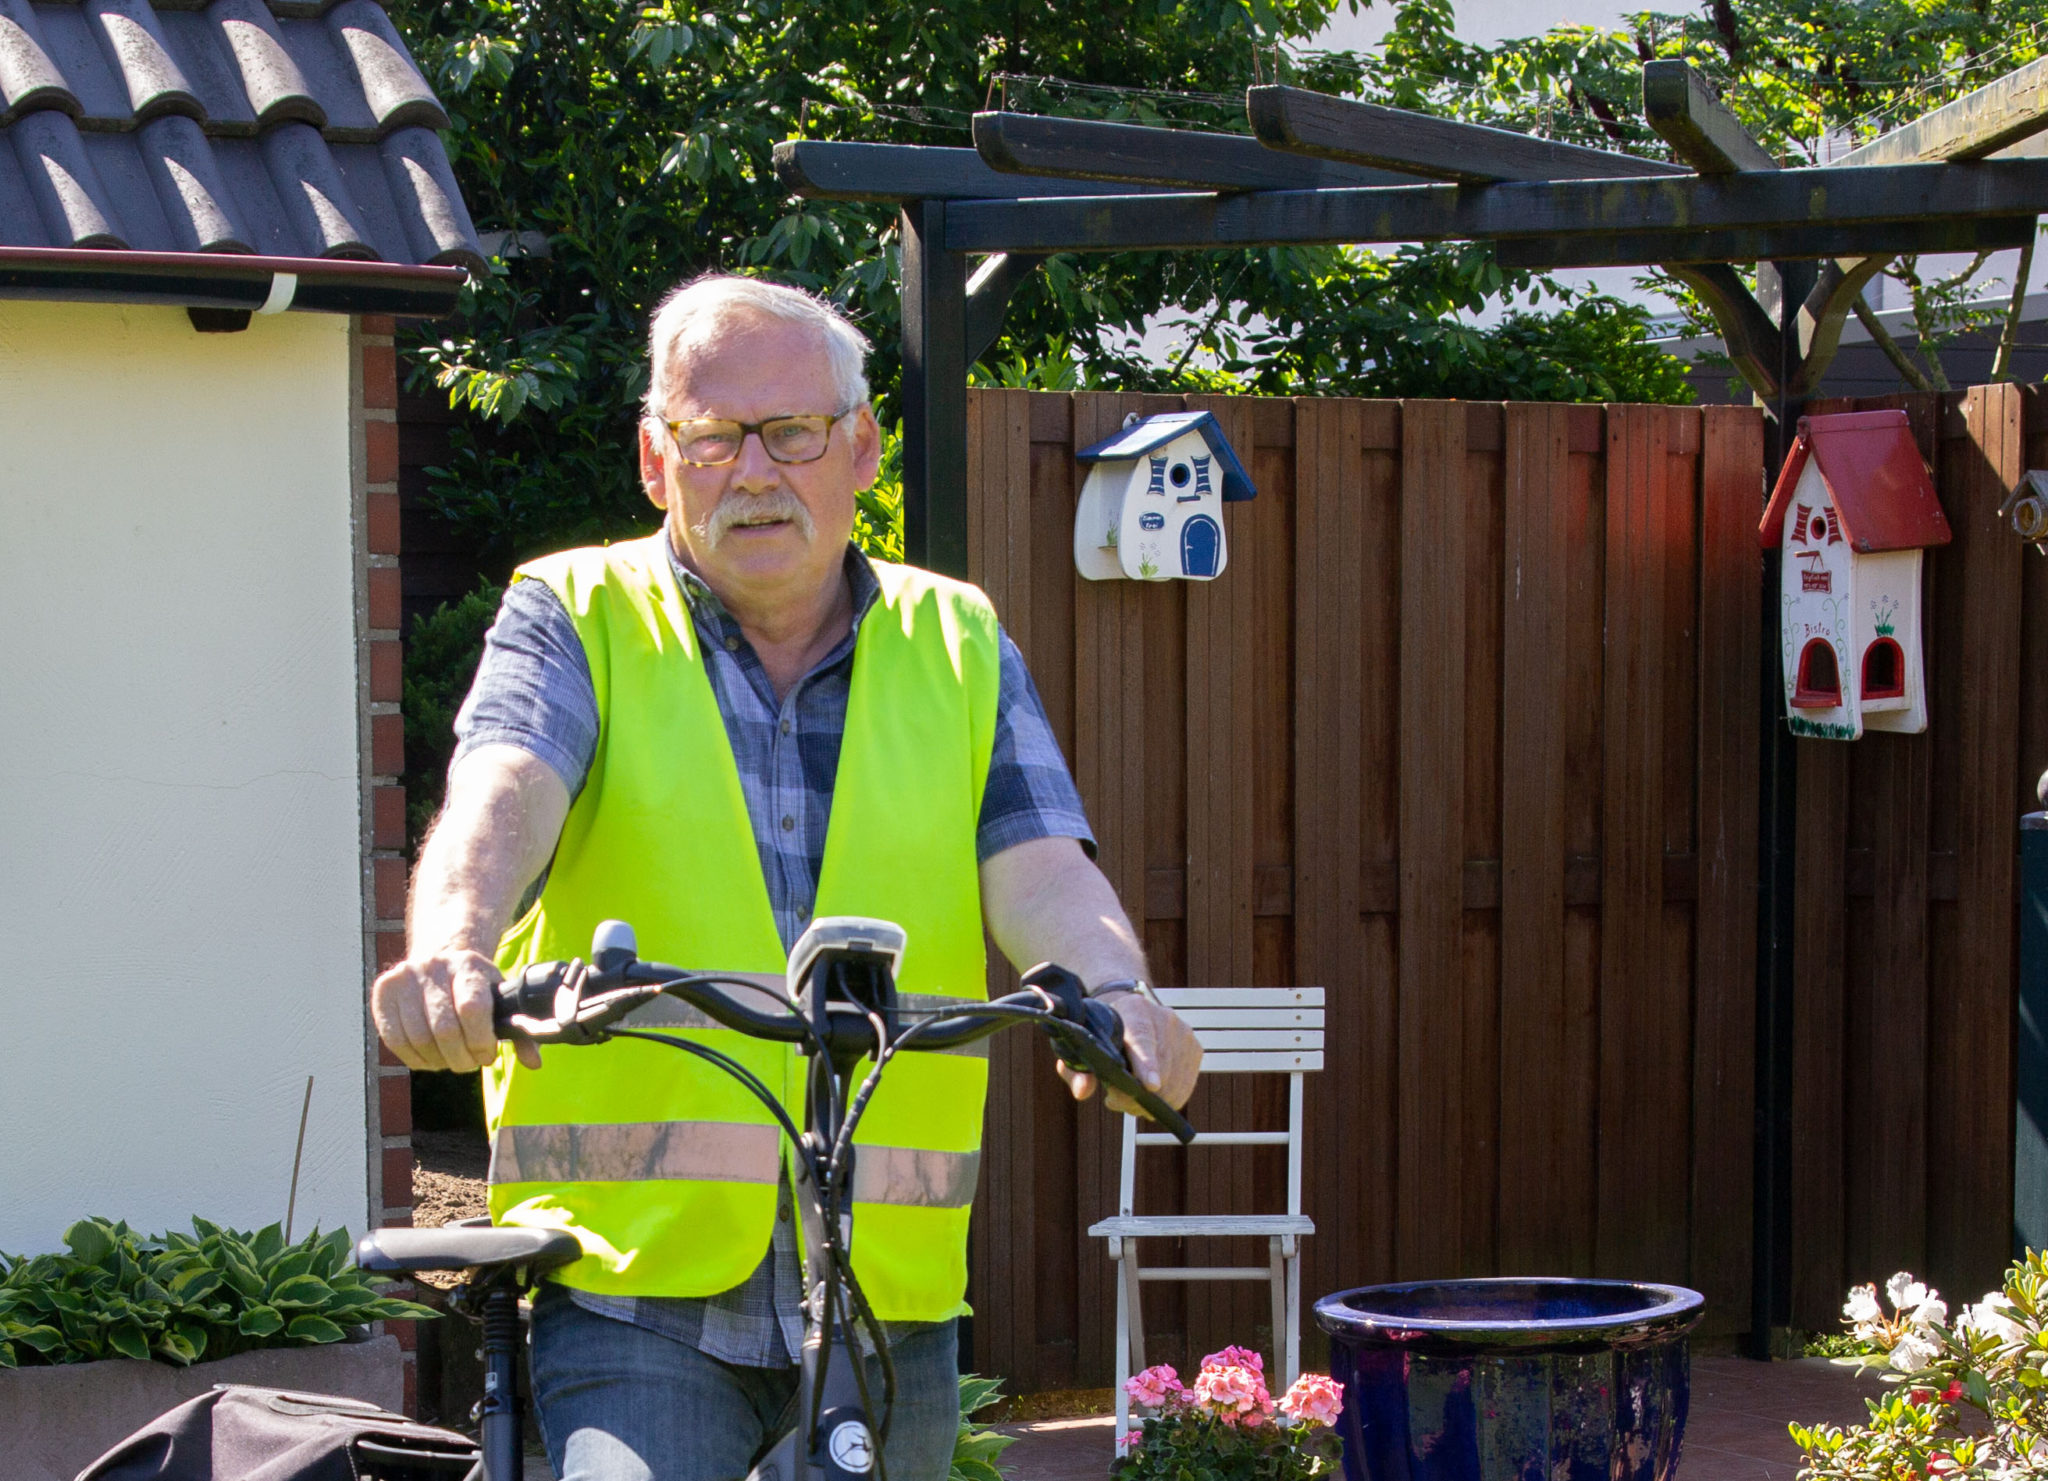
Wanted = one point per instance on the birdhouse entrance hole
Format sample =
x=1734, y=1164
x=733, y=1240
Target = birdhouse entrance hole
x=1820, y=681
x=1884, y=670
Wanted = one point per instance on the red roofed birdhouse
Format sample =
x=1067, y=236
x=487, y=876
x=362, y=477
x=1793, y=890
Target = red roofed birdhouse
x=1854, y=509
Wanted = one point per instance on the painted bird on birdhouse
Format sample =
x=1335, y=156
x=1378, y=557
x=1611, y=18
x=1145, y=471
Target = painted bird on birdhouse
x=1854, y=510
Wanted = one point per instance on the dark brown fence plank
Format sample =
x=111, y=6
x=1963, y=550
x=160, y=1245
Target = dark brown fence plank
x=1546, y=1170
x=1637, y=1165
x=1724, y=1029
x=1970, y=1180
x=1430, y=1238
x=1819, y=1037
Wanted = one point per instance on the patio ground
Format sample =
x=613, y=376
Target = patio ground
x=1736, y=1431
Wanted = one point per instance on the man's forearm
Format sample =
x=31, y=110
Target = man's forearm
x=495, y=834
x=1046, y=902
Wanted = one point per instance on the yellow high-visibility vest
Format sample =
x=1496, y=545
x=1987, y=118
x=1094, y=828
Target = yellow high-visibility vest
x=661, y=1165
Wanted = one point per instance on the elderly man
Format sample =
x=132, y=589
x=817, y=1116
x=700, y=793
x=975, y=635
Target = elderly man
x=717, y=732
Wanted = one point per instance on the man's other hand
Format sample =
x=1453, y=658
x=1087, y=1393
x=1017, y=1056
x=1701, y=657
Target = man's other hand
x=436, y=1012
x=1162, y=1049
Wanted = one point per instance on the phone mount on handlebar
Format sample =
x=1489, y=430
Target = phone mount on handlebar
x=847, y=959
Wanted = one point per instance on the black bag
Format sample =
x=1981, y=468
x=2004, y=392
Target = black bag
x=241, y=1433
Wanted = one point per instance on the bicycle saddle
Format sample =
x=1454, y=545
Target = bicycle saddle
x=460, y=1246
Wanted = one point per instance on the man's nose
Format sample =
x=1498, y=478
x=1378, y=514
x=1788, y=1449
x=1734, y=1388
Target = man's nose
x=753, y=470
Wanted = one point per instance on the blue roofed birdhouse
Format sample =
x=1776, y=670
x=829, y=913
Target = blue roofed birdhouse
x=1151, y=508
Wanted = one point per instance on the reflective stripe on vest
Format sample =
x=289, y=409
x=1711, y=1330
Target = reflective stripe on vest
x=662, y=1166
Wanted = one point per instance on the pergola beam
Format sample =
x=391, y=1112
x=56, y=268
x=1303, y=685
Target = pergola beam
x=827, y=170
x=1846, y=200
x=1976, y=125
x=1301, y=122
x=1700, y=130
x=1084, y=149
x=1763, y=244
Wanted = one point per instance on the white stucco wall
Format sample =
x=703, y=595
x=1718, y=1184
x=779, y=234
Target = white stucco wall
x=181, y=914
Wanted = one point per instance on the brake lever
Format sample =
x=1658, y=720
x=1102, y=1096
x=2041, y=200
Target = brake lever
x=1092, y=1043
x=576, y=1016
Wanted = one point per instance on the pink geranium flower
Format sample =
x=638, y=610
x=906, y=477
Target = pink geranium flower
x=1156, y=1387
x=1236, y=1357
x=1233, y=1393
x=1314, y=1399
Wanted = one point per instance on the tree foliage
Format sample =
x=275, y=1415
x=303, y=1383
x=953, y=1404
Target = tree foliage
x=636, y=140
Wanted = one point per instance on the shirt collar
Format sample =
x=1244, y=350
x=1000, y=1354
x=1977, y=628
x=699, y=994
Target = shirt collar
x=706, y=608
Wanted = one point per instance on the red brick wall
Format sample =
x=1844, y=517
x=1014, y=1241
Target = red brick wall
x=375, y=383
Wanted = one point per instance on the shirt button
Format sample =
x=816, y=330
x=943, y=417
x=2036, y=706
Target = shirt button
x=732, y=645
x=785, y=725
x=788, y=823
x=783, y=1213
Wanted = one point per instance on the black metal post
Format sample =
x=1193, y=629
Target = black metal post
x=934, y=297
x=2030, y=1129
x=500, y=1417
x=1777, y=840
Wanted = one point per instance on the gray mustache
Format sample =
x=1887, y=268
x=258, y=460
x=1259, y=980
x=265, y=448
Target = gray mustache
x=737, y=509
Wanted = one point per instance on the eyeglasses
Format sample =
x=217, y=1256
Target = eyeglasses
x=710, y=442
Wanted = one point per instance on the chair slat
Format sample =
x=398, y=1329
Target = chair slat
x=1213, y=1039
x=1199, y=1018
x=1261, y=1061
x=1241, y=997
x=1183, y=1226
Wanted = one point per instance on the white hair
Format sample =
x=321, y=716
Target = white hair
x=715, y=300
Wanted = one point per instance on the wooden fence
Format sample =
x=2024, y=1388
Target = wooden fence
x=1467, y=735
x=1905, y=921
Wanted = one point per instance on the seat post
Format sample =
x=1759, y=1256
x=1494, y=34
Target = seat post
x=500, y=1416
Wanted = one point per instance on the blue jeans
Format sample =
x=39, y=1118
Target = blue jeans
x=620, y=1403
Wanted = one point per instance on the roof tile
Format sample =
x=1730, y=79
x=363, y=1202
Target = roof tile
x=272, y=83
x=278, y=127
x=198, y=207
x=28, y=78
x=63, y=184
x=135, y=43
x=398, y=96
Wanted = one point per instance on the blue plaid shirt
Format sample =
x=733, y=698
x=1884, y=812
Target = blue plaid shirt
x=533, y=690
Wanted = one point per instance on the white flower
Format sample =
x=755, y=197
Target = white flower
x=1914, y=1353
x=1905, y=1291
x=1989, y=1317
x=1862, y=1308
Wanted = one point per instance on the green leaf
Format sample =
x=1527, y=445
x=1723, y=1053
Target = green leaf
x=260, y=1321
x=195, y=1283
x=302, y=1290
x=268, y=1243
x=91, y=1241
x=311, y=1328
x=127, y=1339
x=285, y=1267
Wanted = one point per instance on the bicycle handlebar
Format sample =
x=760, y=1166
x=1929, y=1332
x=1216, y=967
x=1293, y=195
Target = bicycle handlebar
x=576, y=1002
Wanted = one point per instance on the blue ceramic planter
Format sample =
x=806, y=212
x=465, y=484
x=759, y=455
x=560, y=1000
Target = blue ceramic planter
x=1511, y=1380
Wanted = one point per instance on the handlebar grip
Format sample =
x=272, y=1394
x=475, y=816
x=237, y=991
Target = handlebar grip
x=531, y=993
x=1108, y=1026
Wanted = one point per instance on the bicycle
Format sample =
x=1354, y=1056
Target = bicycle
x=838, y=1005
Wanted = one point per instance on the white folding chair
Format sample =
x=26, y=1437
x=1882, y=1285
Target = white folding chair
x=1242, y=1030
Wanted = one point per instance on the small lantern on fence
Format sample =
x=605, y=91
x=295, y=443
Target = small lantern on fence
x=1151, y=508
x=2027, y=508
x=1854, y=509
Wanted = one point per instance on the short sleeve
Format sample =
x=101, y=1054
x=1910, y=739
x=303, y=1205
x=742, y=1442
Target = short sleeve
x=532, y=688
x=1030, y=793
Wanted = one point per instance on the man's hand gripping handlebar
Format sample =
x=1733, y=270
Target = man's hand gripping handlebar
x=578, y=1002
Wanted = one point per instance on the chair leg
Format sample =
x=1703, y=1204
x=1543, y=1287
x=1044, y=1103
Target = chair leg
x=1123, y=1353
x=1294, y=1315
x=1279, y=1267
x=1131, y=1288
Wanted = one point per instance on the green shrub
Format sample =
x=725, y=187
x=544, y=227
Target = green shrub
x=178, y=1298
x=977, y=1446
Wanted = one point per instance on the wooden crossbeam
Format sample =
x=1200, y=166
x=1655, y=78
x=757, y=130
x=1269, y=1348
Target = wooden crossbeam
x=1994, y=117
x=1085, y=149
x=1700, y=130
x=1303, y=122
x=1846, y=200
x=827, y=170
x=1822, y=239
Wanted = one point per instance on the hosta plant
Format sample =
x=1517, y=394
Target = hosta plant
x=1992, y=1359
x=1226, y=1426
x=178, y=1298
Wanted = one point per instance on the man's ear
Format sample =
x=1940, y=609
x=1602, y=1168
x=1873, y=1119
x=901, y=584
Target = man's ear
x=867, y=448
x=653, y=471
